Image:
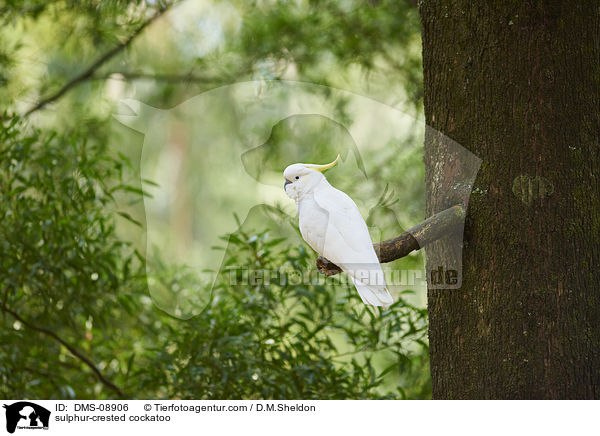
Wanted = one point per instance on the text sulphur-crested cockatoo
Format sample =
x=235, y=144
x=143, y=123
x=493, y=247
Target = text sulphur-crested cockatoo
x=332, y=225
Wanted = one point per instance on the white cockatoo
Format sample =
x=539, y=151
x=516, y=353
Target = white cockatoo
x=332, y=225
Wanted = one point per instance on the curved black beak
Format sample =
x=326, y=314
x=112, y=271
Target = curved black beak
x=287, y=182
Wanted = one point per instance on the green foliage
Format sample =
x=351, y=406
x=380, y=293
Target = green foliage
x=61, y=266
x=269, y=334
x=63, y=270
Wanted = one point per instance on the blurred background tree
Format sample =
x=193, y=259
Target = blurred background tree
x=78, y=320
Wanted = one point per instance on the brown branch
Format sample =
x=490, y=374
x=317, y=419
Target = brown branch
x=89, y=72
x=433, y=228
x=69, y=347
x=168, y=78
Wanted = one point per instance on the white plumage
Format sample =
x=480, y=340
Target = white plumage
x=332, y=225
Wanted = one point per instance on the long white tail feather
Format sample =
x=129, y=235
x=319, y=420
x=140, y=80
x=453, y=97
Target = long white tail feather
x=374, y=295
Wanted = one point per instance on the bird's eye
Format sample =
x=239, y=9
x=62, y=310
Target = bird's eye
x=297, y=177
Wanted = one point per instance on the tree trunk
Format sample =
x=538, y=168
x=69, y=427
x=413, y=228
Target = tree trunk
x=517, y=83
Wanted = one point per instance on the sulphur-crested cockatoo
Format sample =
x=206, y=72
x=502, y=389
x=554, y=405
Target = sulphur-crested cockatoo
x=332, y=225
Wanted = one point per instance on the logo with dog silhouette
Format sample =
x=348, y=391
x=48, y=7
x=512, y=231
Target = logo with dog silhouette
x=26, y=415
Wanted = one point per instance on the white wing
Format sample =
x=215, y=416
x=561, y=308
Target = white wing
x=348, y=245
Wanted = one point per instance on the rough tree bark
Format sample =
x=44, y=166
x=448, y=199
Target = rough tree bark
x=517, y=83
